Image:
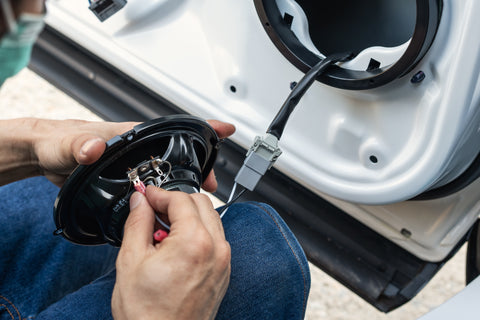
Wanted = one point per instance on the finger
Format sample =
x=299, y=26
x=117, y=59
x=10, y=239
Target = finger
x=210, y=183
x=87, y=148
x=223, y=129
x=180, y=208
x=108, y=130
x=210, y=217
x=138, y=229
x=57, y=179
x=111, y=129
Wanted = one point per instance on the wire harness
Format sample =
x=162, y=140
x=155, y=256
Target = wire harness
x=265, y=150
x=280, y=121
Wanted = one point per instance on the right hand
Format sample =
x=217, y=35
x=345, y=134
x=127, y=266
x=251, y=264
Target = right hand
x=183, y=277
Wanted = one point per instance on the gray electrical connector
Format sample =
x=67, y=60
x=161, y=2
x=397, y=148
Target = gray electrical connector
x=104, y=9
x=260, y=157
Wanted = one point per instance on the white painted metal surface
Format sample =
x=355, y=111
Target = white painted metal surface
x=213, y=59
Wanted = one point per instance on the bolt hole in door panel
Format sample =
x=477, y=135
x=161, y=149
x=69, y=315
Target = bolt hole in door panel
x=352, y=158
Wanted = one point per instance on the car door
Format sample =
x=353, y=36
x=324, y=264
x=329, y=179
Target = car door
x=378, y=176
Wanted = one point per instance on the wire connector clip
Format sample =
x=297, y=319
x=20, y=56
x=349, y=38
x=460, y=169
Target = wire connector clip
x=104, y=9
x=260, y=157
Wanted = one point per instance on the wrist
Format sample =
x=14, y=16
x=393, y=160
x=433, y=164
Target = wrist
x=17, y=156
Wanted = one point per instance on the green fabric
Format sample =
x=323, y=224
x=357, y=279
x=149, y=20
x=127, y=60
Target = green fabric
x=16, y=46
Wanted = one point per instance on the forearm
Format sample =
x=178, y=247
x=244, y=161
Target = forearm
x=17, y=156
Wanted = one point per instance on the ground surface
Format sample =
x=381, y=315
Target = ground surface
x=27, y=95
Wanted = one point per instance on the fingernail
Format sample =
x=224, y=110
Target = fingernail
x=135, y=200
x=87, y=145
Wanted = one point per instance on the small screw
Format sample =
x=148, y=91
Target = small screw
x=293, y=84
x=406, y=233
x=418, y=77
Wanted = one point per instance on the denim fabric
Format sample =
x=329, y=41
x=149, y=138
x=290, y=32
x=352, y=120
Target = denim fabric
x=47, y=277
x=270, y=275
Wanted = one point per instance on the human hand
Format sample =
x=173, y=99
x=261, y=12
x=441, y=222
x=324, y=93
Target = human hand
x=60, y=145
x=183, y=277
x=223, y=130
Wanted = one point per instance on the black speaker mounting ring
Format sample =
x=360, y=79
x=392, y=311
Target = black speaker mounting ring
x=279, y=30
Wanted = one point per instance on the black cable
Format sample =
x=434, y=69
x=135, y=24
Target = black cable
x=280, y=121
x=228, y=204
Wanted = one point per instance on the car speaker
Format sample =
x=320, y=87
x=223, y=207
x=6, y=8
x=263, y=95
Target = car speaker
x=174, y=152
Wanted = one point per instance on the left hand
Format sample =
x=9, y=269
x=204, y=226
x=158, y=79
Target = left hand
x=60, y=145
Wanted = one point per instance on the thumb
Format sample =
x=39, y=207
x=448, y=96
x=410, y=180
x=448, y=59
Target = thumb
x=87, y=149
x=138, y=229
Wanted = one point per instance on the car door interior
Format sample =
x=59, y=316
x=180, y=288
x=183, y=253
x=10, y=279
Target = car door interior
x=379, y=173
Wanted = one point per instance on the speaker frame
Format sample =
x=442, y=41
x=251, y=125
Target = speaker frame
x=87, y=198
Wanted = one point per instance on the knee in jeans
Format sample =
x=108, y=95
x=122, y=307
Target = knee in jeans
x=269, y=237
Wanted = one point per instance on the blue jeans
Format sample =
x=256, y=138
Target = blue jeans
x=47, y=277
